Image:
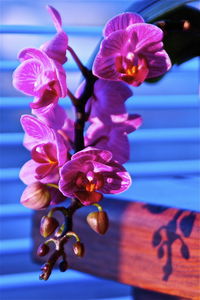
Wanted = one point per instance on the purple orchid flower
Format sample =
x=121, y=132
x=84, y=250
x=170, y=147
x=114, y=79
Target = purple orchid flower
x=40, y=73
x=48, y=151
x=108, y=99
x=131, y=51
x=91, y=172
x=57, y=119
x=112, y=135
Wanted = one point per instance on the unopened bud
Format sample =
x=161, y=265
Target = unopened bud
x=42, y=250
x=48, y=225
x=36, y=196
x=63, y=266
x=98, y=221
x=78, y=249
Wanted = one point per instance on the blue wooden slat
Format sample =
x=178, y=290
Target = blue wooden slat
x=31, y=279
x=155, y=168
x=16, y=246
x=142, y=135
x=30, y=29
x=14, y=210
x=11, y=65
x=135, y=102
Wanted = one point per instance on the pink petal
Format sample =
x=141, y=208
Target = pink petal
x=95, y=154
x=116, y=182
x=44, y=170
x=158, y=63
x=114, y=43
x=69, y=171
x=133, y=122
x=36, y=131
x=27, y=172
x=44, y=153
x=48, y=97
x=56, y=47
x=104, y=67
x=88, y=198
x=121, y=21
x=53, y=116
x=61, y=76
x=26, y=75
x=147, y=34
x=109, y=98
x=61, y=148
x=33, y=53
x=55, y=17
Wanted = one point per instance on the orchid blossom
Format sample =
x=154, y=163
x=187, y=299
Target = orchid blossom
x=90, y=173
x=48, y=151
x=131, y=51
x=40, y=73
x=69, y=159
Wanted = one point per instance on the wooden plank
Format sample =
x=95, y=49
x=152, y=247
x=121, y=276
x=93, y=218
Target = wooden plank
x=130, y=252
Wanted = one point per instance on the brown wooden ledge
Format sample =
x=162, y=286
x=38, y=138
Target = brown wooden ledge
x=131, y=253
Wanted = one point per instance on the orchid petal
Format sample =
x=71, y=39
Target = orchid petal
x=105, y=93
x=26, y=76
x=88, y=198
x=147, y=34
x=53, y=116
x=55, y=17
x=96, y=154
x=104, y=67
x=116, y=182
x=27, y=174
x=56, y=47
x=121, y=21
x=68, y=174
x=158, y=63
x=36, y=131
x=33, y=53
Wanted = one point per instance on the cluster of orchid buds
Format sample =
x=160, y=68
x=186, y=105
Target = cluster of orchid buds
x=71, y=162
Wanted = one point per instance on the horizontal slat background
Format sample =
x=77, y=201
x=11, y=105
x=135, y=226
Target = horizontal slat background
x=164, y=152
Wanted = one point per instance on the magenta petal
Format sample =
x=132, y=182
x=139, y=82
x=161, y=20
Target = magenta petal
x=69, y=171
x=43, y=170
x=116, y=182
x=33, y=53
x=56, y=47
x=158, y=63
x=27, y=172
x=104, y=67
x=147, y=34
x=121, y=21
x=55, y=17
x=114, y=43
x=109, y=98
x=48, y=97
x=36, y=131
x=61, y=76
x=26, y=75
x=53, y=116
x=96, y=154
x=88, y=198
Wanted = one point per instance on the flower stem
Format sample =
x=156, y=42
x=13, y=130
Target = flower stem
x=82, y=68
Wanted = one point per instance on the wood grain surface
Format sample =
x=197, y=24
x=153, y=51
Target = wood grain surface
x=151, y=247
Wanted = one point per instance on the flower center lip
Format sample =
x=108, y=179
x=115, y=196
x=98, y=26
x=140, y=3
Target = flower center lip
x=90, y=182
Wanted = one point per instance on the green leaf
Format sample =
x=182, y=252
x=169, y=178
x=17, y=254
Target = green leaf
x=153, y=9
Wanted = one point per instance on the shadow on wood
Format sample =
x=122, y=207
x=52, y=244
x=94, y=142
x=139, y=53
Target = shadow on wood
x=150, y=247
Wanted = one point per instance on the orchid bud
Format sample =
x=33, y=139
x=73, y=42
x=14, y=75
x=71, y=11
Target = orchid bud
x=78, y=249
x=48, y=225
x=98, y=221
x=42, y=250
x=63, y=266
x=36, y=196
